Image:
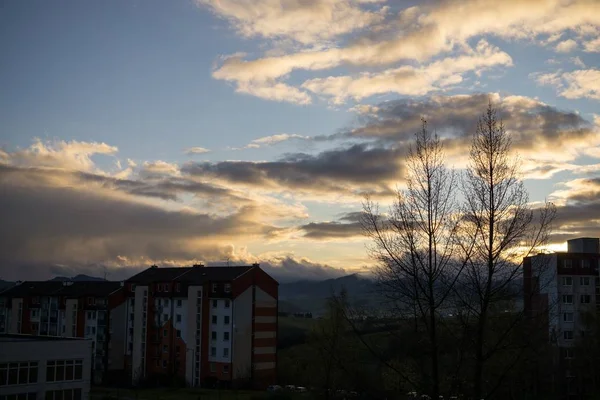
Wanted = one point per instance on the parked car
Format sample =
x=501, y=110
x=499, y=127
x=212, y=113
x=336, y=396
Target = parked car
x=274, y=388
x=290, y=387
x=301, y=389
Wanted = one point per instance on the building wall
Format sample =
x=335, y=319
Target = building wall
x=222, y=313
x=242, y=335
x=16, y=315
x=138, y=354
x=42, y=351
x=118, y=337
x=193, y=335
x=265, y=337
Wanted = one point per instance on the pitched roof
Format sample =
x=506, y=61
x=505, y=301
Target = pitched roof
x=34, y=288
x=203, y=274
x=156, y=274
x=189, y=274
x=90, y=288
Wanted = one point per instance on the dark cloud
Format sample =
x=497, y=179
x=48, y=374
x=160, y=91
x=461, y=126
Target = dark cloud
x=359, y=165
x=579, y=216
x=530, y=122
x=165, y=187
x=60, y=224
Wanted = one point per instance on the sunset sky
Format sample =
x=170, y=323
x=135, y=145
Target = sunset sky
x=135, y=132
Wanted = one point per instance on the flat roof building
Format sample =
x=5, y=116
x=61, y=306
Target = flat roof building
x=44, y=368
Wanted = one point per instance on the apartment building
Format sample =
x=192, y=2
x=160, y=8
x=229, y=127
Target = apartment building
x=93, y=310
x=563, y=288
x=203, y=325
x=44, y=368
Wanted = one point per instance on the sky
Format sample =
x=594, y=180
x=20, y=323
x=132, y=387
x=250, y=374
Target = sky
x=140, y=132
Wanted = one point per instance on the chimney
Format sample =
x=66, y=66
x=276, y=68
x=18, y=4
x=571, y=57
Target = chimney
x=198, y=265
x=154, y=266
x=256, y=265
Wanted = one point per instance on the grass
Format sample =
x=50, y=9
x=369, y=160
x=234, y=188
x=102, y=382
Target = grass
x=103, y=393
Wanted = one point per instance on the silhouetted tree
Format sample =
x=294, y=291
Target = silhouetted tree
x=414, y=245
x=498, y=230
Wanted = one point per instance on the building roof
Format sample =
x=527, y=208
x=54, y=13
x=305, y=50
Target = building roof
x=225, y=273
x=60, y=288
x=90, y=288
x=34, y=288
x=33, y=338
x=156, y=274
x=197, y=274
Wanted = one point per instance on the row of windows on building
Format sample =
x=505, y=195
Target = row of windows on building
x=583, y=299
x=568, y=335
x=22, y=373
x=569, y=263
x=583, y=281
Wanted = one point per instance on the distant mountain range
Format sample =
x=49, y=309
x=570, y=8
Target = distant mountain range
x=77, y=278
x=311, y=296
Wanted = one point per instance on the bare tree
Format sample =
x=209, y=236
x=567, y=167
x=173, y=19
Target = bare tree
x=414, y=246
x=499, y=223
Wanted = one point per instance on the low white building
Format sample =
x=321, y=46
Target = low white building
x=44, y=368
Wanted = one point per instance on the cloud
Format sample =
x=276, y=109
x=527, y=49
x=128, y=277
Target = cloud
x=272, y=140
x=592, y=46
x=196, y=150
x=578, y=209
x=305, y=22
x=566, y=46
x=582, y=83
x=345, y=171
x=409, y=80
x=60, y=154
x=415, y=35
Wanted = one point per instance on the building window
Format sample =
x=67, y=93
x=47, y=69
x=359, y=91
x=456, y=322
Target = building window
x=568, y=317
x=214, y=319
x=165, y=348
x=584, y=280
x=35, y=300
x=214, y=287
x=64, y=370
x=178, y=317
x=585, y=299
x=18, y=373
x=213, y=335
x=567, y=299
x=178, y=333
x=214, y=303
x=91, y=301
x=585, y=263
x=166, y=287
x=228, y=288
x=226, y=321
x=213, y=367
x=179, y=303
x=227, y=303
x=90, y=315
x=225, y=369
x=165, y=333
x=568, y=353
x=226, y=336
x=568, y=335
x=225, y=351
x=164, y=363
x=567, y=281
x=213, y=351
x=65, y=394
x=166, y=302
x=568, y=263
x=165, y=317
